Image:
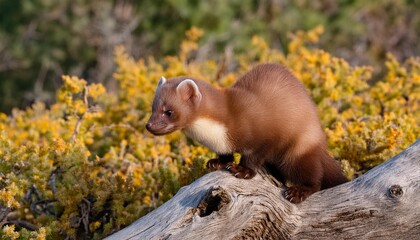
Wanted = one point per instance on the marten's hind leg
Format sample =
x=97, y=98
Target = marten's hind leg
x=220, y=163
x=305, y=174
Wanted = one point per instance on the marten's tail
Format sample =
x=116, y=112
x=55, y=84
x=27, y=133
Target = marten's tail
x=332, y=174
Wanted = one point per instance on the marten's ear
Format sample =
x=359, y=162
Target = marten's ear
x=161, y=81
x=188, y=89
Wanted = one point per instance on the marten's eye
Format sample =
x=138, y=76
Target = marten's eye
x=168, y=113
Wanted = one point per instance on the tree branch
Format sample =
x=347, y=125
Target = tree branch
x=383, y=203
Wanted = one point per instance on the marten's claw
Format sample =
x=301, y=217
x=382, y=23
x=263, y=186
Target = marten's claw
x=215, y=164
x=296, y=194
x=229, y=166
x=293, y=194
x=240, y=175
x=241, y=172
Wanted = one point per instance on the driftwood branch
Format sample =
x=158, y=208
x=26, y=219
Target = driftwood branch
x=384, y=203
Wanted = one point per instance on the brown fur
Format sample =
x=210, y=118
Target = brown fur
x=270, y=120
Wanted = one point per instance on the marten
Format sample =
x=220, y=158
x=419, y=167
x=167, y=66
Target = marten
x=266, y=116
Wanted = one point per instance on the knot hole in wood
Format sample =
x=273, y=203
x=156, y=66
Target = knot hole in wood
x=395, y=191
x=213, y=201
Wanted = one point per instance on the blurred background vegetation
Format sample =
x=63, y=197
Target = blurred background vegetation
x=42, y=39
x=75, y=159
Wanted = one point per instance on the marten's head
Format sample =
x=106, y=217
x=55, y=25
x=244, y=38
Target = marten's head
x=174, y=106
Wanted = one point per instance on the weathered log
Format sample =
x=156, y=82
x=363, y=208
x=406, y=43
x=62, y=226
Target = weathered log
x=384, y=203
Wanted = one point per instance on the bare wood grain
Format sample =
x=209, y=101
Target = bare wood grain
x=382, y=204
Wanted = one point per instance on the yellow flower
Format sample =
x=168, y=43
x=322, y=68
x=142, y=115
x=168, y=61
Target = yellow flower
x=94, y=225
x=7, y=196
x=194, y=33
x=9, y=232
x=96, y=90
x=74, y=84
x=147, y=201
x=313, y=35
x=358, y=101
x=334, y=95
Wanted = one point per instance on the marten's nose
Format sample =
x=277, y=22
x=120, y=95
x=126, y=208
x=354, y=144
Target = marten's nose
x=149, y=126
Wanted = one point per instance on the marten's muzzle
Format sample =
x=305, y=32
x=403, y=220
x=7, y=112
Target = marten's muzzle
x=159, y=127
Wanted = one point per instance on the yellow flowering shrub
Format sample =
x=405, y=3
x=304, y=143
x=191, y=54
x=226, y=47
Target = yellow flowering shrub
x=85, y=166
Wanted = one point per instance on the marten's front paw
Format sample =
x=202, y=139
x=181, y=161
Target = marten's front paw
x=240, y=172
x=216, y=164
x=296, y=194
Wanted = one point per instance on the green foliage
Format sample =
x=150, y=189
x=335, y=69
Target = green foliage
x=85, y=166
x=40, y=40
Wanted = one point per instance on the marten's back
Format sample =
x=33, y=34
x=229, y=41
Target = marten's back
x=274, y=83
x=273, y=104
